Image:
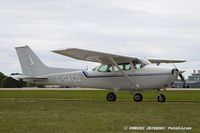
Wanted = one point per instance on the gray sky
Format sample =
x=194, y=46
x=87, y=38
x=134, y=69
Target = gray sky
x=146, y=28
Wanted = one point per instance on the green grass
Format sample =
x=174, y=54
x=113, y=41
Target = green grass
x=89, y=112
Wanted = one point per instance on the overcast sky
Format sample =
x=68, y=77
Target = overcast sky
x=146, y=28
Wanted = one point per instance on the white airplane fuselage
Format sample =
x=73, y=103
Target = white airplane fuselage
x=149, y=77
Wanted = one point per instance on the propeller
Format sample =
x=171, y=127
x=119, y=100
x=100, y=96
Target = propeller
x=180, y=74
x=182, y=78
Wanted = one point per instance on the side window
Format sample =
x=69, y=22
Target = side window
x=123, y=66
x=137, y=65
x=127, y=67
x=116, y=69
x=109, y=68
x=102, y=68
x=105, y=68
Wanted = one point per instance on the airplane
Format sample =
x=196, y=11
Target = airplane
x=115, y=72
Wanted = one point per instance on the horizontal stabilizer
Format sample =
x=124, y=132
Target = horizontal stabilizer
x=33, y=78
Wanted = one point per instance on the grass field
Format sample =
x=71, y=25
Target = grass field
x=89, y=112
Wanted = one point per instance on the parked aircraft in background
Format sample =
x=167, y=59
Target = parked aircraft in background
x=116, y=72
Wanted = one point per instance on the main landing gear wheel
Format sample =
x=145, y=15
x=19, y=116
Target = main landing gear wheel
x=111, y=96
x=161, y=98
x=138, y=97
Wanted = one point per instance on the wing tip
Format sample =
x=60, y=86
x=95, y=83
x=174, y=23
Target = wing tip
x=25, y=46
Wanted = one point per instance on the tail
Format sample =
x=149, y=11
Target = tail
x=32, y=66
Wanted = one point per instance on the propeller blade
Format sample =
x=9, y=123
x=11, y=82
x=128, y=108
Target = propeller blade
x=180, y=72
x=182, y=77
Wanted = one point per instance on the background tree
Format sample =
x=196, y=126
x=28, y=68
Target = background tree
x=9, y=82
x=2, y=76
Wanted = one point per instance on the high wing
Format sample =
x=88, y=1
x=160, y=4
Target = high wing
x=94, y=56
x=105, y=58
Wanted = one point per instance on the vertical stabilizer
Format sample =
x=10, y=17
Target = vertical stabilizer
x=31, y=65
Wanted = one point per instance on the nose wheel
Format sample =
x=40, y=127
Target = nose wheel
x=161, y=98
x=111, y=97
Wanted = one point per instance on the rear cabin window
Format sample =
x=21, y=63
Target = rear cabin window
x=123, y=66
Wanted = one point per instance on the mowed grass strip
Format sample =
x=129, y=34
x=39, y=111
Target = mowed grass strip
x=94, y=95
x=89, y=112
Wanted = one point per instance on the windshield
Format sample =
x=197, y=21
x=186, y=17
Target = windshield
x=105, y=68
x=140, y=63
x=144, y=61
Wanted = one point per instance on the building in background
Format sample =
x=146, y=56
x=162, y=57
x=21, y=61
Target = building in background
x=193, y=81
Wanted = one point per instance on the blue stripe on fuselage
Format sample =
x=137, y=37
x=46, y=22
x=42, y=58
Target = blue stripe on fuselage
x=110, y=76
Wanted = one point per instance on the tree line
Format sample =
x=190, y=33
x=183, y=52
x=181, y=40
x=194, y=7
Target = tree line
x=9, y=82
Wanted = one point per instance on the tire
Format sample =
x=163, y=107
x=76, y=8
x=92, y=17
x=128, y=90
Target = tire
x=111, y=97
x=161, y=98
x=138, y=97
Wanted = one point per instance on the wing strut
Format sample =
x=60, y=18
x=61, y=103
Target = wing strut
x=129, y=79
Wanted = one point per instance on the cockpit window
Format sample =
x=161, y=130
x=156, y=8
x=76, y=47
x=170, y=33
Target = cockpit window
x=105, y=68
x=137, y=64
